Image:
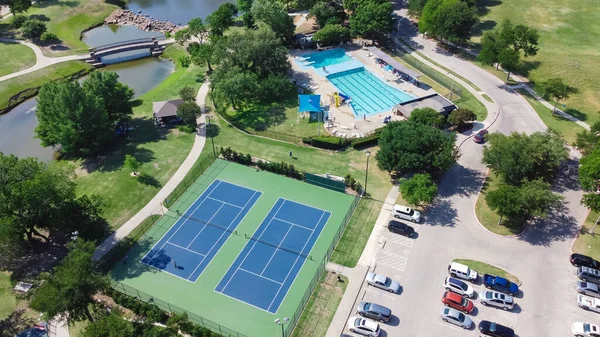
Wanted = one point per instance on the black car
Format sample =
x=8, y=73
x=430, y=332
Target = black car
x=583, y=260
x=401, y=228
x=494, y=329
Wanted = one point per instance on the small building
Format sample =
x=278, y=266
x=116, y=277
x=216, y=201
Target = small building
x=433, y=101
x=165, y=112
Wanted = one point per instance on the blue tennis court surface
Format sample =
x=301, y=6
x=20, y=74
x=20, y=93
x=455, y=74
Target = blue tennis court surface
x=265, y=269
x=189, y=246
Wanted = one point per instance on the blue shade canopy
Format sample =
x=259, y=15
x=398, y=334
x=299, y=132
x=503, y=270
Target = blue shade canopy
x=309, y=103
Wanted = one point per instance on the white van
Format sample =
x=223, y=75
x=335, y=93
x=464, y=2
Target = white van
x=459, y=270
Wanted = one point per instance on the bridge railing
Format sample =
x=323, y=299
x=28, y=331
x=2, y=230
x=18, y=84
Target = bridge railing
x=125, y=43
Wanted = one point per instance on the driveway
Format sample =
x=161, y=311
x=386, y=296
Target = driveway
x=539, y=257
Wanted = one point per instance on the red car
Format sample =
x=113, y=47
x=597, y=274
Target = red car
x=457, y=302
x=480, y=136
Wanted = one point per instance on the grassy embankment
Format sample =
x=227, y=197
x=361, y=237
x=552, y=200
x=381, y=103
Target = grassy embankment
x=15, y=57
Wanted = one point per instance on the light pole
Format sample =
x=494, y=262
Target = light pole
x=282, y=322
x=368, y=153
x=209, y=130
x=451, y=85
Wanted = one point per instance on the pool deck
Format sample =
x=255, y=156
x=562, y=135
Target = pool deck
x=345, y=121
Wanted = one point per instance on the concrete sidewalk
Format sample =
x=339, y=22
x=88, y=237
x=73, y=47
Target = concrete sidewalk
x=155, y=205
x=58, y=327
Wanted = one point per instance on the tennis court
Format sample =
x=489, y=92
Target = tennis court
x=264, y=271
x=189, y=246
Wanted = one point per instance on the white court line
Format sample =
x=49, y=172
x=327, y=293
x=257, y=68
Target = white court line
x=307, y=205
x=227, y=203
x=251, y=248
x=246, y=303
x=189, y=250
x=276, y=249
x=203, y=227
x=294, y=265
x=266, y=278
x=215, y=243
x=183, y=223
x=291, y=223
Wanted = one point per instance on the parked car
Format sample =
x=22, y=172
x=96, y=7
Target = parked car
x=500, y=284
x=588, y=303
x=583, y=260
x=457, y=286
x=587, y=288
x=401, y=228
x=588, y=274
x=406, y=213
x=383, y=282
x=455, y=317
x=457, y=302
x=480, y=136
x=374, y=311
x=363, y=327
x=494, y=329
x=585, y=330
x=496, y=299
x=459, y=270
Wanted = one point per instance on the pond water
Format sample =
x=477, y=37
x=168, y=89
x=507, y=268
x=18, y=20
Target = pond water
x=176, y=11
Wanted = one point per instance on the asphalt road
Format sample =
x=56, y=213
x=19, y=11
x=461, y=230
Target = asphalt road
x=539, y=257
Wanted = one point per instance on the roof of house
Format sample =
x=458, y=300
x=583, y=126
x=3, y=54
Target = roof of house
x=166, y=108
x=434, y=101
x=397, y=65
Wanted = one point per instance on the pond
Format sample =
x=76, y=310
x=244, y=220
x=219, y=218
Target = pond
x=176, y=11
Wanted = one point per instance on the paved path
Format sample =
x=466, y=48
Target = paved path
x=41, y=62
x=155, y=205
x=58, y=328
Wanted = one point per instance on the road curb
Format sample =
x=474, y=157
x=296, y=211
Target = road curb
x=579, y=231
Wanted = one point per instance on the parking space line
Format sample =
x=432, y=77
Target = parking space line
x=392, y=260
x=380, y=293
x=398, y=239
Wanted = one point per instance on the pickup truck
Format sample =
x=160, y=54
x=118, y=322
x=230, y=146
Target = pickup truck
x=588, y=303
x=500, y=284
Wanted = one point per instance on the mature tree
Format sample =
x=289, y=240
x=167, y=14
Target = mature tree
x=70, y=289
x=33, y=29
x=248, y=19
x=407, y=146
x=415, y=7
x=36, y=196
x=587, y=140
x=521, y=157
x=182, y=36
x=189, y=112
x=520, y=37
x=322, y=11
x=450, y=20
x=372, y=19
x=274, y=88
x=428, y=116
x=589, y=171
x=244, y=5
x=132, y=164
x=202, y=54
x=419, y=189
x=235, y=86
x=275, y=15
x=18, y=6
x=197, y=28
x=491, y=45
x=459, y=118
x=18, y=21
x=506, y=201
x=115, y=96
x=332, y=34
x=533, y=198
x=111, y=325
x=557, y=89
x=591, y=201
x=509, y=60
x=222, y=18
x=188, y=94
x=48, y=37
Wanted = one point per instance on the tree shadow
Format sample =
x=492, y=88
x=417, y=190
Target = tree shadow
x=460, y=180
x=131, y=265
x=149, y=180
x=442, y=214
x=526, y=66
x=483, y=6
x=15, y=323
x=212, y=130
x=62, y=3
x=558, y=226
x=40, y=17
x=576, y=113
x=483, y=26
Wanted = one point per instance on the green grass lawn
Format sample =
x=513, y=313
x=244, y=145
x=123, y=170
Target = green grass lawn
x=569, y=45
x=15, y=57
x=160, y=151
x=76, y=329
x=484, y=268
x=487, y=217
x=15, y=85
x=321, y=306
x=15, y=315
x=8, y=302
x=561, y=125
x=67, y=19
x=586, y=243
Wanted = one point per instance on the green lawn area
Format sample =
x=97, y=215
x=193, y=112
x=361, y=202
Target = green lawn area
x=15, y=57
x=160, y=151
x=76, y=329
x=569, y=45
x=11, y=304
x=484, y=268
x=561, y=125
x=586, y=243
x=487, y=217
x=321, y=306
x=8, y=302
x=15, y=85
x=68, y=18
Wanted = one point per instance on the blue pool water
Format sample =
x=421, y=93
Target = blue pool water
x=369, y=95
x=327, y=58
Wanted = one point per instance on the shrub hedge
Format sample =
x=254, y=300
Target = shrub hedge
x=327, y=142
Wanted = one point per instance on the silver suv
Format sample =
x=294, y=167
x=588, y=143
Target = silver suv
x=496, y=299
x=588, y=274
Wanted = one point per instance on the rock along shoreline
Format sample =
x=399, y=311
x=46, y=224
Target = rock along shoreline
x=141, y=21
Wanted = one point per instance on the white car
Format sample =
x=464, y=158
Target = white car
x=457, y=286
x=459, y=270
x=363, y=327
x=383, y=282
x=588, y=303
x=496, y=299
x=406, y=213
x=456, y=317
x=585, y=330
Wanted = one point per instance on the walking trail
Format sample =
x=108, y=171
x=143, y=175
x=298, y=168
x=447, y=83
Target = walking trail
x=41, y=60
x=155, y=205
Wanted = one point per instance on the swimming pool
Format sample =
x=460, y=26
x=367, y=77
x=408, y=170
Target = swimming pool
x=327, y=58
x=369, y=95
